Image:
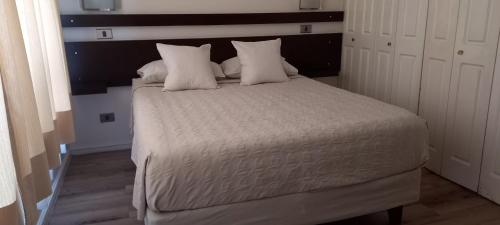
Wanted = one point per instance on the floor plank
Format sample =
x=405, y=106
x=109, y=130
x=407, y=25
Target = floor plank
x=97, y=190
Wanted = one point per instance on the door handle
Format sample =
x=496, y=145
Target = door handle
x=389, y=44
x=460, y=52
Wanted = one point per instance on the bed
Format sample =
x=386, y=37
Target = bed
x=298, y=152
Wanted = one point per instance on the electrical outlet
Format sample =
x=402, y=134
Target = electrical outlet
x=306, y=29
x=104, y=33
x=107, y=117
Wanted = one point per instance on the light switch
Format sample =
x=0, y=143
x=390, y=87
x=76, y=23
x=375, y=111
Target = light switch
x=306, y=29
x=104, y=33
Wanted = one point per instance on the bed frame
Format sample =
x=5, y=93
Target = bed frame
x=91, y=64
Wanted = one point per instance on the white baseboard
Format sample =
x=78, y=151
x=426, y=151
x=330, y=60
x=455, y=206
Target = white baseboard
x=56, y=188
x=112, y=148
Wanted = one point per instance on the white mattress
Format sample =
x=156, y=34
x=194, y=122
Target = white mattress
x=204, y=148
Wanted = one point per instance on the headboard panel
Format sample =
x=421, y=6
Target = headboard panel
x=96, y=65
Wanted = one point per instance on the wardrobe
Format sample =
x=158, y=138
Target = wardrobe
x=383, y=48
x=440, y=60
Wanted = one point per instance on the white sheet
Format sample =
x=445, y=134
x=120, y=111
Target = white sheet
x=202, y=148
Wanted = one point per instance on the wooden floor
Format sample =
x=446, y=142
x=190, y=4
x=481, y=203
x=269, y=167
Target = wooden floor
x=97, y=190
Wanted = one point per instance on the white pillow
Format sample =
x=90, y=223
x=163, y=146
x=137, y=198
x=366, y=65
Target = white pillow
x=188, y=67
x=217, y=69
x=153, y=72
x=232, y=67
x=156, y=72
x=289, y=68
x=260, y=62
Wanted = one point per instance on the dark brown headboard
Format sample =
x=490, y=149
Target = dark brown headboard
x=94, y=66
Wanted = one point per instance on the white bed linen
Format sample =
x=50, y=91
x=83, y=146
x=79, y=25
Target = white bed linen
x=203, y=148
x=304, y=208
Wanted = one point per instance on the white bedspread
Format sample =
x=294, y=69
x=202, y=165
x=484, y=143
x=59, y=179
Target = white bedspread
x=202, y=148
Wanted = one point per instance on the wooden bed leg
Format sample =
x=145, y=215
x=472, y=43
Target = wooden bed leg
x=395, y=215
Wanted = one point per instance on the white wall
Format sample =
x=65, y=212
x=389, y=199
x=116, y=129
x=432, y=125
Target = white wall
x=90, y=133
x=198, y=6
x=201, y=6
x=177, y=32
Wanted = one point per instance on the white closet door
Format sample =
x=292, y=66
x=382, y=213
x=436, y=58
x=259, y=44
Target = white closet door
x=379, y=83
x=348, y=43
x=363, y=42
x=410, y=37
x=490, y=173
x=436, y=74
x=470, y=90
x=368, y=50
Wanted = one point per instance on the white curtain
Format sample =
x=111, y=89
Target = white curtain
x=42, y=33
x=58, y=69
x=33, y=37
x=8, y=182
x=35, y=107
